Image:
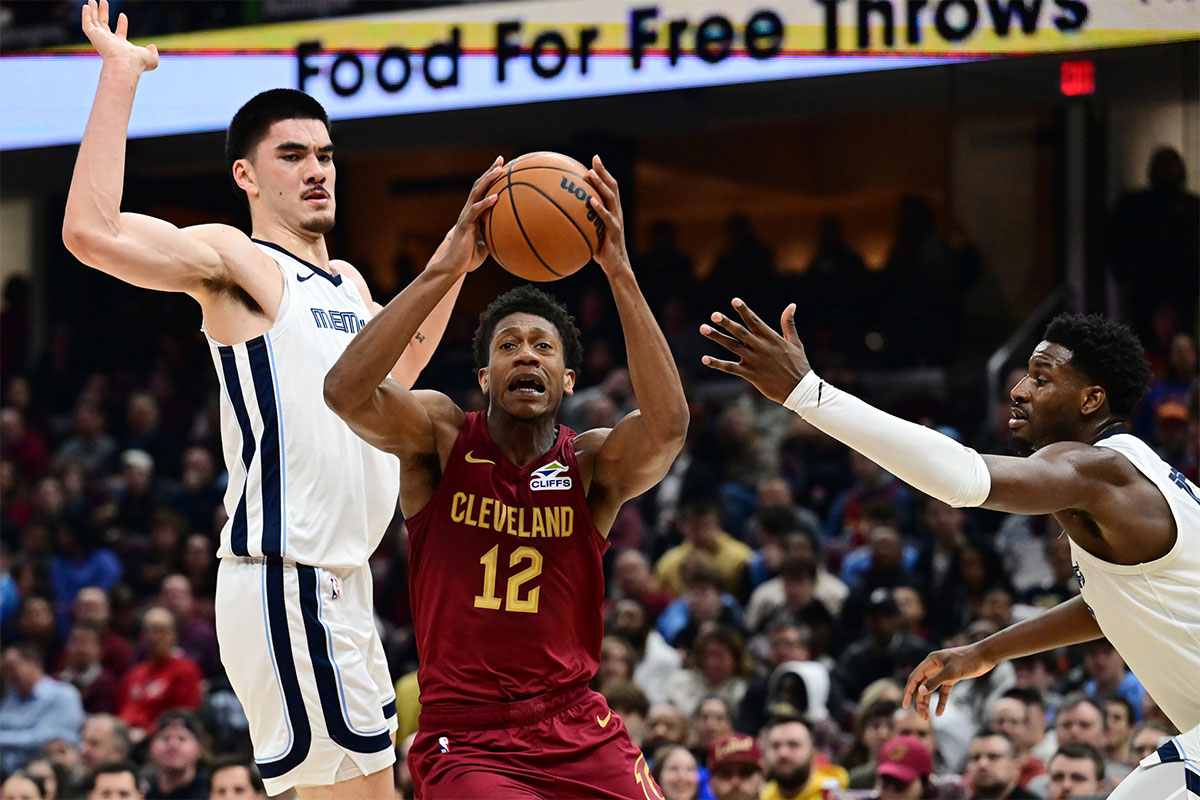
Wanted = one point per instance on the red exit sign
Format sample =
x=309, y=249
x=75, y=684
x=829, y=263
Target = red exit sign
x=1077, y=78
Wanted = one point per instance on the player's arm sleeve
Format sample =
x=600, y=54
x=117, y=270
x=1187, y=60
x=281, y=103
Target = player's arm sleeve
x=923, y=458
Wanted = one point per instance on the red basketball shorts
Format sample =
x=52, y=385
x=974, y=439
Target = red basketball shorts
x=566, y=744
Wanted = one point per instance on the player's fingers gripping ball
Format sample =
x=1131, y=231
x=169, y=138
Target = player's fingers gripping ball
x=542, y=227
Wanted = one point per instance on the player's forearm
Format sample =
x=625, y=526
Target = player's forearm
x=374, y=351
x=652, y=369
x=93, y=208
x=1066, y=624
x=428, y=336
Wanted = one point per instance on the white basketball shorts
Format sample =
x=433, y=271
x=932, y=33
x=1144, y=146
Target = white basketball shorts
x=301, y=650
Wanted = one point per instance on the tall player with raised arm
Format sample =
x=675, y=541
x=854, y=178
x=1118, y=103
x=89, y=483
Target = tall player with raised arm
x=508, y=514
x=308, y=501
x=1133, y=521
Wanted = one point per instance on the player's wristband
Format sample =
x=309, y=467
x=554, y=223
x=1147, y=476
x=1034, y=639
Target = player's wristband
x=927, y=460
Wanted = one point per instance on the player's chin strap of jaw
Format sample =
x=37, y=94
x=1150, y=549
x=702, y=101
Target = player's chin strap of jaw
x=923, y=458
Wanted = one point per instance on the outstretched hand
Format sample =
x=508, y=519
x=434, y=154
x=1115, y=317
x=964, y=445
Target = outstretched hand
x=611, y=254
x=464, y=247
x=774, y=364
x=938, y=672
x=113, y=45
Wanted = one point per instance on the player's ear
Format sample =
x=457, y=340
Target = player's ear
x=569, y=382
x=482, y=377
x=1093, y=398
x=244, y=177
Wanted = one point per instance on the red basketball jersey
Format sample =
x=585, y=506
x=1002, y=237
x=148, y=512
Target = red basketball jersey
x=505, y=575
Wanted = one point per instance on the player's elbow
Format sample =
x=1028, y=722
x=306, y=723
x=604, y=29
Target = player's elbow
x=85, y=243
x=335, y=394
x=674, y=431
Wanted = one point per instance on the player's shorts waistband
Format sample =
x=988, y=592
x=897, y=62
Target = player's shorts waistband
x=472, y=717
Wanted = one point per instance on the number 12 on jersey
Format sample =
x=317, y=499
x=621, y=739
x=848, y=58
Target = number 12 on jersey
x=512, y=600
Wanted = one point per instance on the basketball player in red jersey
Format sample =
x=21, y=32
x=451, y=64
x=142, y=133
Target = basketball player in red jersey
x=508, y=514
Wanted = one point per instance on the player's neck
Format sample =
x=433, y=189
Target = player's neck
x=521, y=441
x=307, y=246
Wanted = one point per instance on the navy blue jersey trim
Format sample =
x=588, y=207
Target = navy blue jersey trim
x=1192, y=780
x=281, y=645
x=336, y=280
x=326, y=681
x=1169, y=752
x=389, y=709
x=238, y=536
x=270, y=453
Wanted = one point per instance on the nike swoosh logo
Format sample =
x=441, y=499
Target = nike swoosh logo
x=603, y=723
x=303, y=278
x=471, y=459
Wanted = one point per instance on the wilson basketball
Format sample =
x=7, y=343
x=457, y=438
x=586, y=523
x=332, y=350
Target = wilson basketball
x=543, y=227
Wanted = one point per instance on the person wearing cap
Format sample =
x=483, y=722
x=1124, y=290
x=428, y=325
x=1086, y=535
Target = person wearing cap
x=886, y=650
x=905, y=765
x=176, y=750
x=791, y=763
x=735, y=770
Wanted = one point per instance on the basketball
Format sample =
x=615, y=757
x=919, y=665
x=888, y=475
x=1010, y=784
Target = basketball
x=543, y=227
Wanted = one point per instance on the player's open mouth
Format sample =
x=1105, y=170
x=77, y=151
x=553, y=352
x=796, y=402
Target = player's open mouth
x=527, y=387
x=317, y=198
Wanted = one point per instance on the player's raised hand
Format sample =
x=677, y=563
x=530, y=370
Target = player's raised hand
x=939, y=672
x=774, y=364
x=465, y=248
x=611, y=255
x=113, y=44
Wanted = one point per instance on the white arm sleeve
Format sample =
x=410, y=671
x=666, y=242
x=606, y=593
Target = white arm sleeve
x=923, y=458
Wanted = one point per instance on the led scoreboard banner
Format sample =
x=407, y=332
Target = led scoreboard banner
x=505, y=53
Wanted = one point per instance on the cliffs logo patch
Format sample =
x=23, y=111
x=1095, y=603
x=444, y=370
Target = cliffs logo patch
x=550, y=477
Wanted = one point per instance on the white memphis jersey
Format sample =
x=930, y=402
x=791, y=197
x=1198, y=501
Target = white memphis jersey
x=302, y=485
x=1151, y=612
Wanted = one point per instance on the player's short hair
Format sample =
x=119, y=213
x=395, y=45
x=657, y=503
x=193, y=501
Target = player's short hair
x=527, y=299
x=231, y=761
x=987, y=733
x=1108, y=353
x=252, y=121
x=1081, y=750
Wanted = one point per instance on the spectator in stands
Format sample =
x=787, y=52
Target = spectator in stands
x=83, y=668
x=872, y=727
x=25, y=447
x=790, y=759
x=35, y=709
x=744, y=261
x=616, y=663
x=23, y=786
x=705, y=543
x=235, y=779
x=143, y=432
x=176, y=751
x=1118, y=722
x=798, y=576
x=1063, y=584
x=1107, y=674
x=37, y=626
x=54, y=777
x=104, y=738
x=912, y=612
x=802, y=689
x=90, y=445
x=939, y=567
x=165, y=679
x=712, y=720
x=885, y=570
x=630, y=703
x=1145, y=739
x=655, y=660
x=633, y=579
x=992, y=768
x=91, y=605
x=138, y=500
x=735, y=769
x=1019, y=716
x=787, y=641
x=199, y=490
x=1076, y=770
x=1081, y=720
x=885, y=652
x=197, y=636
x=719, y=669
x=676, y=772
x=164, y=555
x=703, y=603
x=200, y=567
x=78, y=563
x=872, y=486
x=665, y=725
x=115, y=780
x=905, y=767
x=1176, y=437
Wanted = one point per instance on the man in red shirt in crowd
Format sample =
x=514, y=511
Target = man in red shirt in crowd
x=165, y=679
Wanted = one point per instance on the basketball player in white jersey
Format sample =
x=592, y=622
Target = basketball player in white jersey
x=1133, y=521
x=308, y=501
